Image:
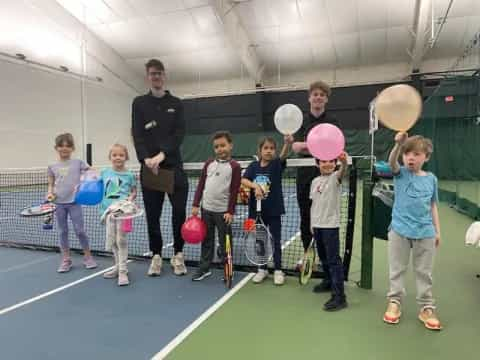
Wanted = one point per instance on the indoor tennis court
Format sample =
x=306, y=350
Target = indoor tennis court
x=329, y=80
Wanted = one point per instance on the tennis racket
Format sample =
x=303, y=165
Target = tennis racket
x=228, y=261
x=258, y=249
x=38, y=209
x=45, y=209
x=308, y=262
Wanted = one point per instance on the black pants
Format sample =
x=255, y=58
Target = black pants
x=304, y=205
x=213, y=220
x=153, y=201
x=328, y=248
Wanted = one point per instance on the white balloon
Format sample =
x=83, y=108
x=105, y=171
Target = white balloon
x=288, y=119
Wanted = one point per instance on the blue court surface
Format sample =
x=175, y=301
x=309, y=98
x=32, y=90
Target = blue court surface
x=81, y=315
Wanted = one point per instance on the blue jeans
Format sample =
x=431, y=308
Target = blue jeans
x=328, y=248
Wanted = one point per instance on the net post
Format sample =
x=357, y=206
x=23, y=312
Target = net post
x=89, y=154
x=367, y=235
x=352, y=201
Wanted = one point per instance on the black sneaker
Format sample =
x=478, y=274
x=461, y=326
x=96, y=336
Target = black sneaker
x=335, y=303
x=200, y=275
x=322, y=287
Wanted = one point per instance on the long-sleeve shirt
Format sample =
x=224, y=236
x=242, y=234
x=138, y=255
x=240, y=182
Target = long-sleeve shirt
x=158, y=125
x=218, y=186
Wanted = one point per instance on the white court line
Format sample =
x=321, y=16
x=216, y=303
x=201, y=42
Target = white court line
x=54, y=291
x=27, y=264
x=187, y=331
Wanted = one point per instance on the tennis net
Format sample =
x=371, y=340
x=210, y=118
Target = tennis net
x=20, y=188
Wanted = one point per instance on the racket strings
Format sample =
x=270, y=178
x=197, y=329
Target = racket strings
x=258, y=245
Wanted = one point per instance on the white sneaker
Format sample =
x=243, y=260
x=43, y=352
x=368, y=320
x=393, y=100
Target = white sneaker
x=123, y=278
x=112, y=274
x=261, y=275
x=278, y=277
x=178, y=264
x=156, y=266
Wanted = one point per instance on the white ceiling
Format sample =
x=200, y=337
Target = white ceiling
x=287, y=35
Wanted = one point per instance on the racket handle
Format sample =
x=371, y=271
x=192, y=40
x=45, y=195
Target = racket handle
x=259, y=205
x=48, y=222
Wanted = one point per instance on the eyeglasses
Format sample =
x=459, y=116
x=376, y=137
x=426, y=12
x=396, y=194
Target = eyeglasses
x=155, y=73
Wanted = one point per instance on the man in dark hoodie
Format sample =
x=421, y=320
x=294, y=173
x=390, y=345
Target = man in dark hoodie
x=318, y=95
x=158, y=129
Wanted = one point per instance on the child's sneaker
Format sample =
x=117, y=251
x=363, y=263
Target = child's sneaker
x=178, y=264
x=112, y=274
x=89, y=262
x=123, y=278
x=278, y=277
x=429, y=319
x=156, y=266
x=200, y=275
x=65, y=266
x=393, y=313
x=261, y=275
x=335, y=303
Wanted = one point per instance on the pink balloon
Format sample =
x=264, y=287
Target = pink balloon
x=194, y=230
x=325, y=141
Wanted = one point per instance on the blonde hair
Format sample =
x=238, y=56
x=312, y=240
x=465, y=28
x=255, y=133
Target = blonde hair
x=418, y=143
x=121, y=146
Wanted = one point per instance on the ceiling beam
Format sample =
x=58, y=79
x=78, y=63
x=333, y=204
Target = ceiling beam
x=239, y=39
x=420, y=32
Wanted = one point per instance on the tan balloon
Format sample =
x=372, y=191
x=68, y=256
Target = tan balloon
x=398, y=107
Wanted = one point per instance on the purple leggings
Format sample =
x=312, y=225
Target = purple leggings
x=76, y=216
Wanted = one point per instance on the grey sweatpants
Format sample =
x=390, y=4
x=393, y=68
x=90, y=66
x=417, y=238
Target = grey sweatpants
x=423, y=251
x=117, y=240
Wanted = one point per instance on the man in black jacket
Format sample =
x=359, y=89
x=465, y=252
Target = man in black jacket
x=318, y=95
x=158, y=128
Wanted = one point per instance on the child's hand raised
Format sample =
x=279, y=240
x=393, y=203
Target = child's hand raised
x=288, y=139
x=401, y=137
x=343, y=157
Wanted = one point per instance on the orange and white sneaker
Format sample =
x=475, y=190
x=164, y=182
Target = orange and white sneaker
x=393, y=313
x=429, y=318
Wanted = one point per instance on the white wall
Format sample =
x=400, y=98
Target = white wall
x=36, y=105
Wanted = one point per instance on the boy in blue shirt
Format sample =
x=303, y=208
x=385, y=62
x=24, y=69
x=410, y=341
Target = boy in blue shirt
x=415, y=227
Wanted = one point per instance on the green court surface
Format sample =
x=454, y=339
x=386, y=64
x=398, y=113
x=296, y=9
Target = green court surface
x=268, y=322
